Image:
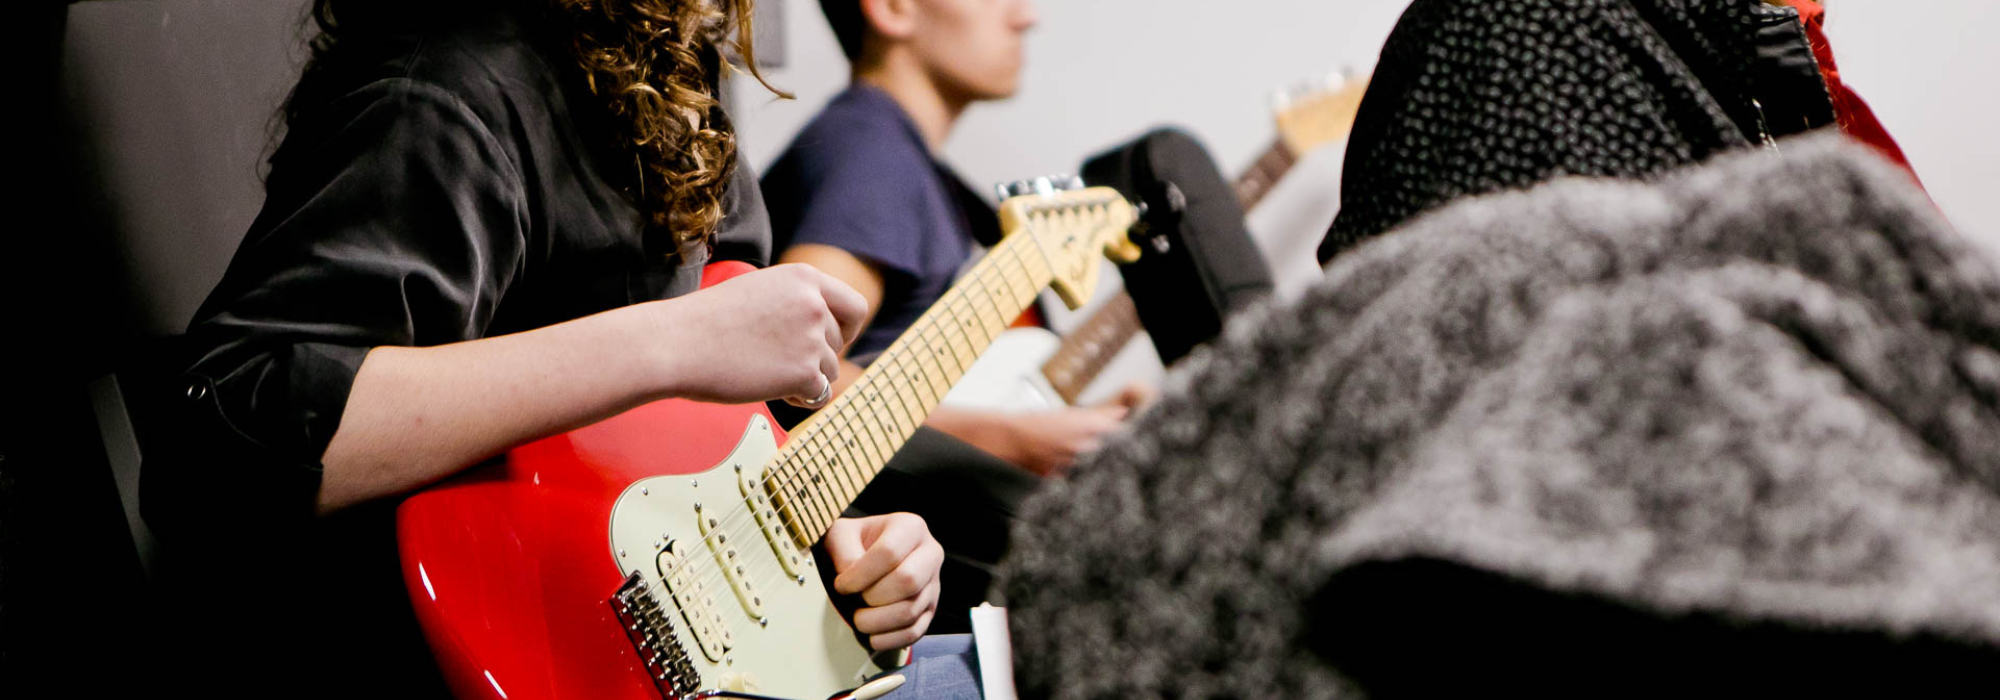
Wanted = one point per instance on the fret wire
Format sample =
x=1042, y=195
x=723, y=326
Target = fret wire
x=873, y=399
x=796, y=489
x=938, y=388
x=826, y=442
x=823, y=509
x=816, y=442
x=851, y=421
x=987, y=294
x=902, y=365
x=957, y=307
x=885, y=447
x=870, y=441
x=851, y=481
x=857, y=478
x=1006, y=300
x=875, y=442
x=1028, y=230
x=1024, y=258
x=1027, y=278
x=802, y=447
x=811, y=501
x=910, y=418
x=789, y=467
x=972, y=307
x=957, y=366
x=807, y=466
x=933, y=353
x=898, y=420
x=892, y=431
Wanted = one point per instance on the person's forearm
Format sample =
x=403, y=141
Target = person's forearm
x=987, y=431
x=416, y=415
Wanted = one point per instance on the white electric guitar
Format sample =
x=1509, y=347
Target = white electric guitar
x=1032, y=369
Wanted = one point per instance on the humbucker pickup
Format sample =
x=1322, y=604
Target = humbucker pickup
x=704, y=623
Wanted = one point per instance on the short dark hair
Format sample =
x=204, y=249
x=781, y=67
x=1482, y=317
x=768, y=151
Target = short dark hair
x=849, y=26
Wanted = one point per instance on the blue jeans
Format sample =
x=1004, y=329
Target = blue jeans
x=942, y=667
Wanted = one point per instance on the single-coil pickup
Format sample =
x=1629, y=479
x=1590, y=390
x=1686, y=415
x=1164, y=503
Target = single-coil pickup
x=684, y=584
x=735, y=568
x=795, y=562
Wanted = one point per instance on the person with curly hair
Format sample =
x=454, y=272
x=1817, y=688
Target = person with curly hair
x=485, y=224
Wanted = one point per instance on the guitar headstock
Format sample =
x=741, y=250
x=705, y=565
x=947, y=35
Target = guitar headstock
x=1318, y=112
x=1073, y=225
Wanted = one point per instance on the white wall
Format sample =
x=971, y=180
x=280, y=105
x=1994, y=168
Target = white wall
x=1101, y=70
x=1927, y=67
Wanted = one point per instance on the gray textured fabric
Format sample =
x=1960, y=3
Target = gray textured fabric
x=1762, y=393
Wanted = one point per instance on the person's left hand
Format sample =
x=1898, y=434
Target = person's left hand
x=892, y=561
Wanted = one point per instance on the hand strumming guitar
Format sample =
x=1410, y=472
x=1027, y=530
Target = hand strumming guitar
x=892, y=562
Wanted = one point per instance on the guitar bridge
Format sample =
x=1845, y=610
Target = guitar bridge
x=651, y=630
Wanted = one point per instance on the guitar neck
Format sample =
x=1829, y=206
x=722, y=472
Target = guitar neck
x=834, y=453
x=1264, y=174
x=1086, y=352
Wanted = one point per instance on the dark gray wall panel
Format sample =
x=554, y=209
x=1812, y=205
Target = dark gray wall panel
x=174, y=101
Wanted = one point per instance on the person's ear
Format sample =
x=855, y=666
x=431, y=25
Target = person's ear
x=893, y=19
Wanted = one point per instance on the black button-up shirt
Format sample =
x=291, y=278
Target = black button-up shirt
x=440, y=184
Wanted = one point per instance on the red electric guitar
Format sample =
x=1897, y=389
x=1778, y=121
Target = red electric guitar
x=663, y=553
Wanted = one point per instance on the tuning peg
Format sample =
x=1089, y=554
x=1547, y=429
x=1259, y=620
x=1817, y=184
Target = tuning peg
x=1010, y=190
x=1281, y=100
x=1044, y=186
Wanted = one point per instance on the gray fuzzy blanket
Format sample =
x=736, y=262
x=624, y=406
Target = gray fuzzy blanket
x=1592, y=438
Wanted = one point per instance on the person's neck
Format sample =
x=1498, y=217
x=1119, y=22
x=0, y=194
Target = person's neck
x=934, y=112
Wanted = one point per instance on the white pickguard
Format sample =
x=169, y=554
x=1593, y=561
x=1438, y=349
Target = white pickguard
x=1008, y=376
x=806, y=651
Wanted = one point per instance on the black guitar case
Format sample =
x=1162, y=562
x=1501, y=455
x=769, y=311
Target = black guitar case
x=1199, y=264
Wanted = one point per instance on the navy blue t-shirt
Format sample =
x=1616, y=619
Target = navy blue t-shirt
x=860, y=178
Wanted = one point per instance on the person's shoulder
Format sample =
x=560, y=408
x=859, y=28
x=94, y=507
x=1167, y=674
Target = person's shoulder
x=491, y=62
x=858, y=139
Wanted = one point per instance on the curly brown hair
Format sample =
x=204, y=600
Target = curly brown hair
x=650, y=62
x=654, y=65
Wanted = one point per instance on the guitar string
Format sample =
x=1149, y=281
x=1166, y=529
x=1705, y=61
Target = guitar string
x=732, y=523
x=820, y=437
x=801, y=457
x=962, y=302
x=1032, y=224
x=811, y=445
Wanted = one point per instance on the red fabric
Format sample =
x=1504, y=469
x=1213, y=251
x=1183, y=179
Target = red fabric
x=1856, y=119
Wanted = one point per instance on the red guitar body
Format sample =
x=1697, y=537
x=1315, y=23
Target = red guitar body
x=507, y=564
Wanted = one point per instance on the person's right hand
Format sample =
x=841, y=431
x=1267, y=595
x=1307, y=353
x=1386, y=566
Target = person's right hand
x=1047, y=442
x=775, y=333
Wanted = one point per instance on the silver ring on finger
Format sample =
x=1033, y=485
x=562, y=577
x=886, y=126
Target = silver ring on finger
x=825, y=393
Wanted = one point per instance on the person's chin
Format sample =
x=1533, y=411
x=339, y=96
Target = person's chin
x=1001, y=91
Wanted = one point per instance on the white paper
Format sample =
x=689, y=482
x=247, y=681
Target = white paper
x=995, y=652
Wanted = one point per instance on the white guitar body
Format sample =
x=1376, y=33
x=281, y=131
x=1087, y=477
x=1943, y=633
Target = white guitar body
x=1008, y=377
x=763, y=625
